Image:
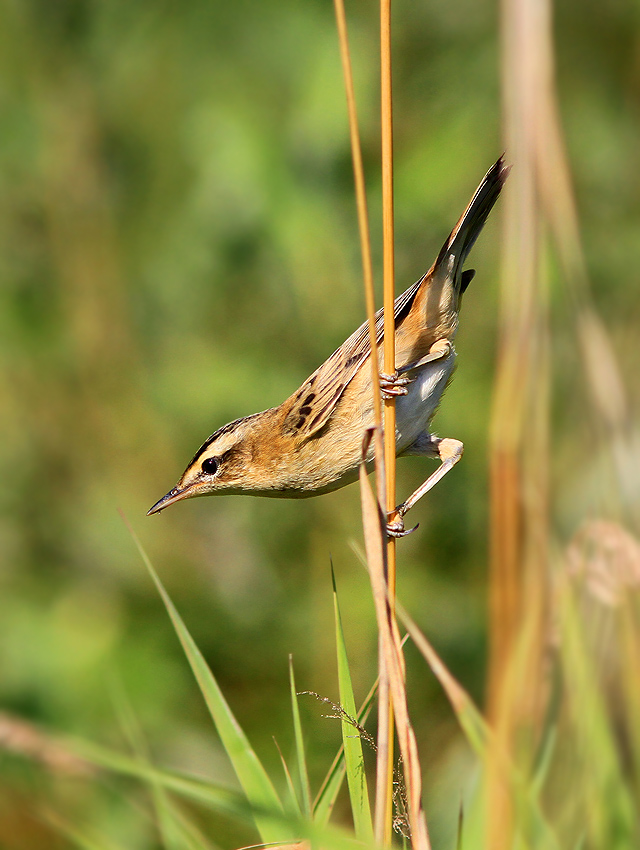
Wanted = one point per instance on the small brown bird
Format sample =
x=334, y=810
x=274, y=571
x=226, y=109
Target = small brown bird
x=312, y=442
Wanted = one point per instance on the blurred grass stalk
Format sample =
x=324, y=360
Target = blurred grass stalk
x=538, y=202
x=520, y=423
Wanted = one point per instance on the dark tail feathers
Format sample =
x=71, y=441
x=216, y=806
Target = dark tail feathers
x=463, y=236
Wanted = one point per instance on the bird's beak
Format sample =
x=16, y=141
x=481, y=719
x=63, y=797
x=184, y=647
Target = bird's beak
x=172, y=496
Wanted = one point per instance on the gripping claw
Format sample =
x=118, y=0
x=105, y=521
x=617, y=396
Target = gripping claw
x=393, y=385
x=396, y=528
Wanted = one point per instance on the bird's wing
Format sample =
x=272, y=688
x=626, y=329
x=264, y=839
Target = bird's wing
x=316, y=399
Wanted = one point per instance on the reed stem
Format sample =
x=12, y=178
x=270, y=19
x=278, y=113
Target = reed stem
x=384, y=812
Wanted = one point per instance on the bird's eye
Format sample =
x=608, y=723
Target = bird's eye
x=210, y=465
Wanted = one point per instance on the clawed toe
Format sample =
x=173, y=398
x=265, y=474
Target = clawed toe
x=393, y=392
x=396, y=527
x=394, y=531
x=393, y=385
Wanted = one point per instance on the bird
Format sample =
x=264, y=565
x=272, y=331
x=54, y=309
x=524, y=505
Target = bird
x=312, y=442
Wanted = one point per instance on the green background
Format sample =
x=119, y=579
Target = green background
x=178, y=248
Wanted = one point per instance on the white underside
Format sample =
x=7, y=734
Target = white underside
x=415, y=410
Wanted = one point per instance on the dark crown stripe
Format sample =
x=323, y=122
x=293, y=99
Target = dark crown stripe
x=230, y=426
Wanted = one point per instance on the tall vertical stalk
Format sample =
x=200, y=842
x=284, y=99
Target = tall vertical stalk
x=363, y=226
x=391, y=660
x=384, y=795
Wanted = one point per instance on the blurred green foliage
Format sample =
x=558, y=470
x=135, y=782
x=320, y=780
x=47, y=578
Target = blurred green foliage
x=178, y=247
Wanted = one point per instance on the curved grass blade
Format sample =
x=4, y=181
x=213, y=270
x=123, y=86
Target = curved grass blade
x=332, y=782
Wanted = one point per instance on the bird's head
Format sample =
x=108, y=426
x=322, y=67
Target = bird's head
x=221, y=465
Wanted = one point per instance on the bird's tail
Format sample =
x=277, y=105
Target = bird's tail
x=463, y=236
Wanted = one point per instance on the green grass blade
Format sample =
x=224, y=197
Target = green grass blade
x=353, y=755
x=251, y=774
x=330, y=787
x=303, y=774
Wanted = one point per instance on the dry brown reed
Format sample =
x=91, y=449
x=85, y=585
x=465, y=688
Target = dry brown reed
x=381, y=555
x=393, y=659
x=384, y=784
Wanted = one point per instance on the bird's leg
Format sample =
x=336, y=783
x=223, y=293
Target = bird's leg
x=440, y=349
x=396, y=384
x=449, y=451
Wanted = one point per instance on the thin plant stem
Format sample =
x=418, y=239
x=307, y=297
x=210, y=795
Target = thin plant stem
x=385, y=733
x=361, y=202
x=391, y=646
x=388, y=263
x=384, y=785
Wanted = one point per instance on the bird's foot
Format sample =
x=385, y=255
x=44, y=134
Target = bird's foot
x=395, y=524
x=394, y=385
